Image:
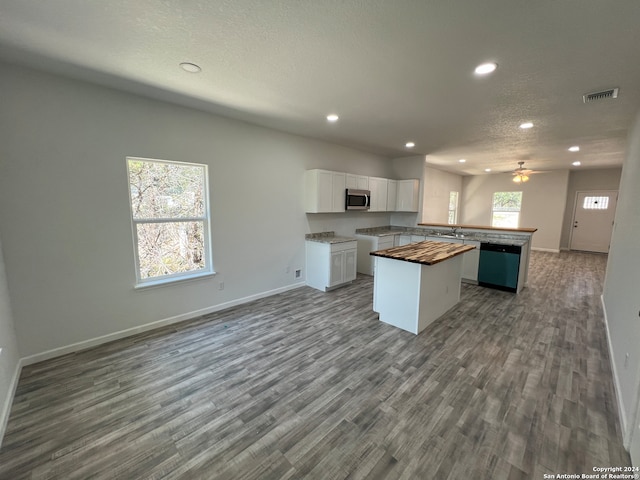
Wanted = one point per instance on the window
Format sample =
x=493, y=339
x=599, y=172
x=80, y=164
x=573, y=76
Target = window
x=170, y=217
x=595, y=203
x=453, y=207
x=505, y=210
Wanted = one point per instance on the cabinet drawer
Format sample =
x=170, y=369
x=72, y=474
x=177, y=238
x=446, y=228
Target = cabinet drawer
x=340, y=247
x=386, y=243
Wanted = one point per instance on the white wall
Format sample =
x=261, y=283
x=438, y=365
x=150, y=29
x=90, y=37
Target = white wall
x=620, y=296
x=9, y=351
x=437, y=187
x=543, y=203
x=585, y=180
x=64, y=213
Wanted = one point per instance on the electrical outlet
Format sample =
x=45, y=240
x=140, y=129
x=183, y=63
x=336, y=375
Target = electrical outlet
x=221, y=286
x=298, y=273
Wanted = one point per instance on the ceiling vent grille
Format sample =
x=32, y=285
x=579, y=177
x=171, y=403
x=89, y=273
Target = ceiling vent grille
x=603, y=95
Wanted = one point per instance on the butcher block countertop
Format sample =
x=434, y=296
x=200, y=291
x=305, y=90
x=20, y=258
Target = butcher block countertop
x=426, y=253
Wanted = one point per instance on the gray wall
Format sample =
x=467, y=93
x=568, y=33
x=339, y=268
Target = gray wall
x=584, y=180
x=64, y=212
x=621, y=292
x=9, y=357
x=543, y=203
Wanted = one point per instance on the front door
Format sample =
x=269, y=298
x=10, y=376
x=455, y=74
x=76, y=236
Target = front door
x=593, y=220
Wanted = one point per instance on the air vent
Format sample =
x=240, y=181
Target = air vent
x=603, y=95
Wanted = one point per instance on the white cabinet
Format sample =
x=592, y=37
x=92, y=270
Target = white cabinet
x=470, y=262
x=367, y=244
x=378, y=187
x=392, y=194
x=324, y=191
x=404, y=240
x=359, y=182
x=407, y=197
x=470, y=259
x=330, y=264
x=417, y=238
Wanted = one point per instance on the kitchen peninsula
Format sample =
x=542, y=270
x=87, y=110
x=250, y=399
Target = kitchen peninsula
x=415, y=284
x=481, y=237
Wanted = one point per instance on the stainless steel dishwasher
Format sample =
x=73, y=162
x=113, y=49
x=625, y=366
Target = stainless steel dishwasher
x=499, y=266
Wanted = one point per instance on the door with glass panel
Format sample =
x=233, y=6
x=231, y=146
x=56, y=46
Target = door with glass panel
x=593, y=220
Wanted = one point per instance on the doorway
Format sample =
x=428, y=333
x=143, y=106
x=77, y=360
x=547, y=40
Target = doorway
x=593, y=217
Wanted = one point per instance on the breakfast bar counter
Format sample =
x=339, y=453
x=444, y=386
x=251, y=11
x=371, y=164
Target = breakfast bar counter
x=417, y=283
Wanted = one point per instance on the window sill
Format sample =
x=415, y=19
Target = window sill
x=173, y=280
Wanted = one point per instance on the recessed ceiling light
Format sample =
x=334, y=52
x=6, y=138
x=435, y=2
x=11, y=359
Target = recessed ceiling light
x=575, y=148
x=576, y=163
x=409, y=144
x=487, y=169
x=526, y=125
x=486, y=68
x=190, y=67
x=462, y=160
x=332, y=117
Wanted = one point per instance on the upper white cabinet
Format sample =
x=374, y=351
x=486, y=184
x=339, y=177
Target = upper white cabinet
x=359, y=182
x=407, y=197
x=378, y=187
x=324, y=191
x=392, y=194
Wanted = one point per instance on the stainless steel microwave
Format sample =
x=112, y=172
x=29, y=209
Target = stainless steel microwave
x=357, y=199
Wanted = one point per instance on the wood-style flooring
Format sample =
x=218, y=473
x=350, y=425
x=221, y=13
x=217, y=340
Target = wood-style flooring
x=311, y=385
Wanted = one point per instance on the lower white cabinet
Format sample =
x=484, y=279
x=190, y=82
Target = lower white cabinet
x=367, y=244
x=470, y=262
x=470, y=259
x=404, y=240
x=330, y=264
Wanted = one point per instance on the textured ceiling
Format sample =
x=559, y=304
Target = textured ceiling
x=393, y=70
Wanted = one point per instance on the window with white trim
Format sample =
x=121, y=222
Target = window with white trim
x=505, y=209
x=170, y=218
x=596, y=203
x=453, y=208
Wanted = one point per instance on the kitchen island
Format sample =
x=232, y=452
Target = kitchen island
x=417, y=283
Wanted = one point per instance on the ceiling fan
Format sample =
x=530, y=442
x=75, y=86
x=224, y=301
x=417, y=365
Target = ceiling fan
x=521, y=174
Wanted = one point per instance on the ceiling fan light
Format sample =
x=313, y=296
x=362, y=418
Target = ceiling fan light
x=520, y=178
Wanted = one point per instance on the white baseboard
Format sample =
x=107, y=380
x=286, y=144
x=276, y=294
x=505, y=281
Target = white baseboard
x=56, y=352
x=8, y=401
x=626, y=434
x=541, y=249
